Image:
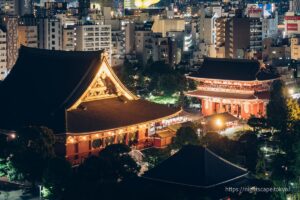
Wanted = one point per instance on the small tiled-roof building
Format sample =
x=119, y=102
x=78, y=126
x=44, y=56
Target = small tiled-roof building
x=79, y=97
x=198, y=167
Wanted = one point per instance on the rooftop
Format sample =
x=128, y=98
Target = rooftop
x=52, y=88
x=232, y=69
x=196, y=166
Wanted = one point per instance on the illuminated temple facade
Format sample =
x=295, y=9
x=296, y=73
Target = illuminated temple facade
x=239, y=87
x=79, y=97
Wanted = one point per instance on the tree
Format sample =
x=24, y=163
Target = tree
x=184, y=136
x=120, y=163
x=32, y=149
x=257, y=123
x=56, y=177
x=277, y=111
x=154, y=156
x=249, y=147
x=293, y=108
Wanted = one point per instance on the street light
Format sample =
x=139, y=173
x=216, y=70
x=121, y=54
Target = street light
x=12, y=136
x=9, y=135
x=219, y=122
x=291, y=91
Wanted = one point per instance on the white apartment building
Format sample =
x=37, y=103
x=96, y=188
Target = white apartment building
x=93, y=37
x=270, y=26
x=3, y=55
x=50, y=34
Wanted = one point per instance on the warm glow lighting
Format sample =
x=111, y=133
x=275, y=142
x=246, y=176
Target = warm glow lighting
x=291, y=91
x=219, y=122
x=71, y=140
x=145, y=3
x=13, y=136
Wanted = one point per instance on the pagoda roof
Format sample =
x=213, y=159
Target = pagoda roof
x=232, y=69
x=225, y=117
x=48, y=88
x=226, y=95
x=114, y=113
x=196, y=166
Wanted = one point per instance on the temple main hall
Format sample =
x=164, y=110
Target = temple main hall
x=237, y=86
x=79, y=97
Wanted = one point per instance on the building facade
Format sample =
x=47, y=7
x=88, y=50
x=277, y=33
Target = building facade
x=27, y=36
x=93, y=37
x=3, y=53
x=87, y=111
x=50, y=33
x=11, y=24
x=68, y=38
x=239, y=87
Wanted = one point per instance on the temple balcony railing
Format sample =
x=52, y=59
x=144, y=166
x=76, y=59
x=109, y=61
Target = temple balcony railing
x=226, y=90
x=233, y=90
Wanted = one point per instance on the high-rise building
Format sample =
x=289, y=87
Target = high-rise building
x=16, y=7
x=50, y=33
x=296, y=6
x=295, y=48
x=129, y=37
x=129, y=4
x=3, y=53
x=164, y=25
x=25, y=7
x=270, y=26
x=238, y=37
x=255, y=34
x=11, y=24
x=93, y=37
x=118, y=48
x=9, y=7
x=68, y=38
x=291, y=24
x=28, y=31
x=83, y=9
x=28, y=36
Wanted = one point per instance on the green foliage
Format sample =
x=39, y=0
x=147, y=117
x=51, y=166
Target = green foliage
x=293, y=110
x=155, y=156
x=32, y=149
x=257, y=123
x=120, y=164
x=156, y=78
x=260, y=166
x=102, y=175
x=12, y=173
x=277, y=111
x=3, y=167
x=184, y=136
x=249, y=148
x=56, y=176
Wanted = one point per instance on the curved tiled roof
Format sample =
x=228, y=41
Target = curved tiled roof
x=44, y=84
x=232, y=69
x=114, y=113
x=195, y=166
